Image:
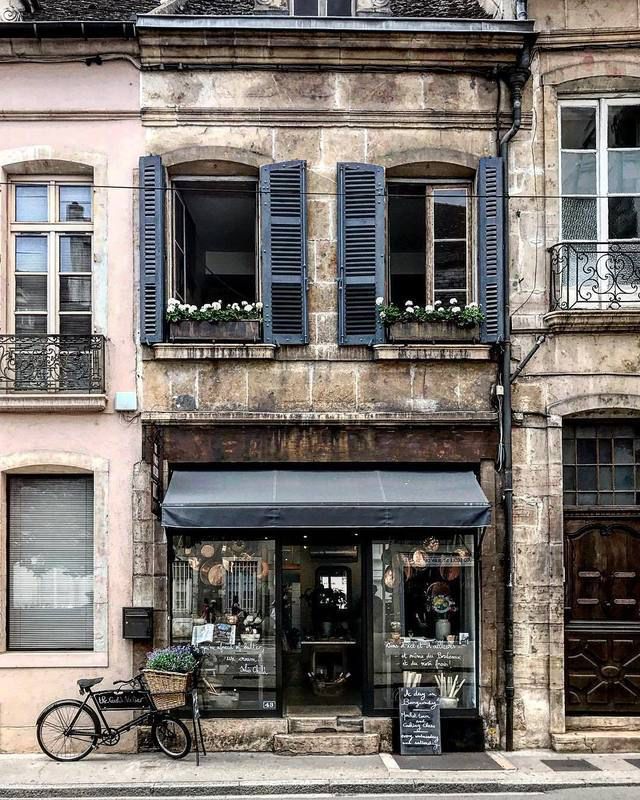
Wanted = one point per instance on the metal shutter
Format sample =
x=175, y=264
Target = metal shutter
x=152, y=247
x=51, y=563
x=491, y=247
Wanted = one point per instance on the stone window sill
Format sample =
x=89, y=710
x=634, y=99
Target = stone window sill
x=431, y=352
x=44, y=403
x=52, y=660
x=208, y=352
x=593, y=321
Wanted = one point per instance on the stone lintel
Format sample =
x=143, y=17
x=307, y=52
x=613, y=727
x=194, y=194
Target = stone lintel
x=208, y=352
x=431, y=352
x=48, y=403
x=605, y=321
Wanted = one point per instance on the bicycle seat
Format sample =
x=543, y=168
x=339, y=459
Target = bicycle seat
x=87, y=683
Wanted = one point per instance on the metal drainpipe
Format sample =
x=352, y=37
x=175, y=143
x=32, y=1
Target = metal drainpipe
x=517, y=79
x=521, y=10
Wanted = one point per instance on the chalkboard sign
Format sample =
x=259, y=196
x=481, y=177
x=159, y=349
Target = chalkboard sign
x=124, y=700
x=420, y=721
x=243, y=662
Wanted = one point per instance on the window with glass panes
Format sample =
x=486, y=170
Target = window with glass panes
x=51, y=227
x=601, y=463
x=428, y=243
x=600, y=169
x=322, y=8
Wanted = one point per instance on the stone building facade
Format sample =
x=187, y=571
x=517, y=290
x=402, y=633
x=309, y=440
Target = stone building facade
x=415, y=100
x=576, y=646
x=206, y=112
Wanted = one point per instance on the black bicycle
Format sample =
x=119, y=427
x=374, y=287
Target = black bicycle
x=68, y=730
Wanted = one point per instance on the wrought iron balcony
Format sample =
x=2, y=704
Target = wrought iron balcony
x=45, y=364
x=595, y=276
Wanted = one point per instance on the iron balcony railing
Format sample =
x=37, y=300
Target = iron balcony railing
x=47, y=364
x=595, y=275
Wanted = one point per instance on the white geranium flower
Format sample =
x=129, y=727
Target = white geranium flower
x=248, y=307
x=173, y=302
x=383, y=315
x=379, y=301
x=244, y=303
x=183, y=307
x=456, y=310
x=428, y=308
x=472, y=305
x=409, y=303
x=438, y=303
x=235, y=306
x=453, y=301
x=259, y=306
x=410, y=310
x=216, y=306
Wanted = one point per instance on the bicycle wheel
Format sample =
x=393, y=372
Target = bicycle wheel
x=172, y=736
x=66, y=731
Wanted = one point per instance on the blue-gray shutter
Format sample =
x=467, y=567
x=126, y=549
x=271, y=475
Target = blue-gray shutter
x=283, y=221
x=152, y=247
x=361, y=205
x=491, y=234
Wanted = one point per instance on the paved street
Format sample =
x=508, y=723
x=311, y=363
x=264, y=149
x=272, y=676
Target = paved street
x=535, y=773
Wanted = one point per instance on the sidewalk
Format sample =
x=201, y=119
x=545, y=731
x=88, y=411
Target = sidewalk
x=105, y=774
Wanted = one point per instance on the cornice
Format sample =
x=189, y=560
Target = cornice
x=312, y=118
x=277, y=43
x=588, y=38
x=467, y=418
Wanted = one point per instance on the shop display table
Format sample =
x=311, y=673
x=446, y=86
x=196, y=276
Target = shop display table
x=338, y=647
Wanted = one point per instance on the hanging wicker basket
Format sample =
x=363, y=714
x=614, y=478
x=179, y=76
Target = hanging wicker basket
x=168, y=689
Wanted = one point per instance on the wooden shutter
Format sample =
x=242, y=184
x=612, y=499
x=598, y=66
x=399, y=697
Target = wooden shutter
x=283, y=222
x=360, y=252
x=51, y=563
x=491, y=247
x=152, y=247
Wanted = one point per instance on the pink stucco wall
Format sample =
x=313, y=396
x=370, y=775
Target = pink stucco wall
x=48, y=114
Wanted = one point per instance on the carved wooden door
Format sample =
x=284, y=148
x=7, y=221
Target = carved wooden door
x=602, y=615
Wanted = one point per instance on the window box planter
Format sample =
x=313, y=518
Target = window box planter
x=237, y=330
x=402, y=332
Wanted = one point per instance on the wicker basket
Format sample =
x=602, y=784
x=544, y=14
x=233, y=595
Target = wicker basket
x=168, y=689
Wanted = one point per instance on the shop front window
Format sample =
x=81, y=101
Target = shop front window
x=223, y=601
x=424, y=621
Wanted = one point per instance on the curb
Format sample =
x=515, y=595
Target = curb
x=267, y=789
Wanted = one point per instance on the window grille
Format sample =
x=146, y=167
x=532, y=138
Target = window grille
x=241, y=582
x=182, y=589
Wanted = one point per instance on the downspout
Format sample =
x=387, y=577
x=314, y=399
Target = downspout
x=521, y=10
x=517, y=79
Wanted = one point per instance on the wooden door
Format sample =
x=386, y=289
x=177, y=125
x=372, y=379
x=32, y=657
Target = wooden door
x=602, y=615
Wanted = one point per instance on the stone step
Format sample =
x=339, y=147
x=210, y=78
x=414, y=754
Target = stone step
x=326, y=724
x=330, y=744
x=596, y=741
x=311, y=724
x=602, y=724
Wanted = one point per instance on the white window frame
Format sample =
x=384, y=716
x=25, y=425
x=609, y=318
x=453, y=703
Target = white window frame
x=53, y=230
x=601, y=104
x=430, y=186
x=322, y=9
x=170, y=239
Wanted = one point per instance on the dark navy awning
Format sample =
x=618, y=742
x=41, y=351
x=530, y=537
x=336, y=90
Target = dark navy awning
x=315, y=498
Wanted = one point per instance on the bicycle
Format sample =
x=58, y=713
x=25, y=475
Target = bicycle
x=68, y=730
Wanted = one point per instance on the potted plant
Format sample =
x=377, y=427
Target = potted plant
x=168, y=674
x=214, y=322
x=441, y=322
